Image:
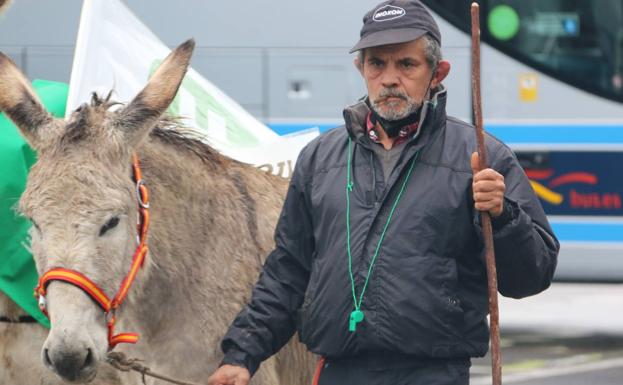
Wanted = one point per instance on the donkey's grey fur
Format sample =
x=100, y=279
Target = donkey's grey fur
x=4, y=4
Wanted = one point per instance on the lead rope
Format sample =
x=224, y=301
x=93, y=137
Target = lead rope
x=122, y=363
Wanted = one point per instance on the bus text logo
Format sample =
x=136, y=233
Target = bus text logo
x=574, y=197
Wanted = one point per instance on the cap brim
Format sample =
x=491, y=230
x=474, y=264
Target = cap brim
x=389, y=36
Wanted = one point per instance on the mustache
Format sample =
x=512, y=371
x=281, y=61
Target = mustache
x=392, y=93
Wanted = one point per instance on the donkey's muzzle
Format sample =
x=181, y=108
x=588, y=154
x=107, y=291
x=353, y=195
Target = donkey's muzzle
x=79, y=365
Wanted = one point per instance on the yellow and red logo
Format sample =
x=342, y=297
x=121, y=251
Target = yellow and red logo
x=580, y=200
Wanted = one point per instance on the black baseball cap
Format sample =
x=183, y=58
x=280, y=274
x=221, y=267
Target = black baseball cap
x=396, y=21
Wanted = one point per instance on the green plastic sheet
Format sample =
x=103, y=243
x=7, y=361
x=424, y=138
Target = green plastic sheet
x=18, y=275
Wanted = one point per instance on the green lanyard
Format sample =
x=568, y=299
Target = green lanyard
x=356, y=315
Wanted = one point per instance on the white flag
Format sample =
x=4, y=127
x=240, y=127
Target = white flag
x=115, y=50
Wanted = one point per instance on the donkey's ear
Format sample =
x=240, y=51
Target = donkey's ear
x=20, y=103
x=4, y=4
x=141, y=114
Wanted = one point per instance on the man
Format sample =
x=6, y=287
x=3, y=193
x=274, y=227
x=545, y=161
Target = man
x=379, y=260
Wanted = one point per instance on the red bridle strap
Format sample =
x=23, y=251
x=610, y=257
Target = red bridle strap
x=79, y=280
x=76, y=279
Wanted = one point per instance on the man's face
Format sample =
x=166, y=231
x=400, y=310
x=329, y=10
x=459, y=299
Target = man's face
x=397, y=77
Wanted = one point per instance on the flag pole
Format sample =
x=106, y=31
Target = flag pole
x=487, y=230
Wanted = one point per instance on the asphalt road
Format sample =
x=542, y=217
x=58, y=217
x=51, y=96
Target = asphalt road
x=572, y=334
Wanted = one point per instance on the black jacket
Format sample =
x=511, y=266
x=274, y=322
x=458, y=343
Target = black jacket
x=427, y=294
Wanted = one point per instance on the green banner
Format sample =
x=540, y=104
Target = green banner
x=18, y=275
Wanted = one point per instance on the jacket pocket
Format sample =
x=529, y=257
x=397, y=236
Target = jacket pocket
x=302, y=314
x=451, y=297
x=421, y=303
x=302, y=317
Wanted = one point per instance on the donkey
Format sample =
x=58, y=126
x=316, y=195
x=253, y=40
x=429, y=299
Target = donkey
x=21, y=339
x=211, y=227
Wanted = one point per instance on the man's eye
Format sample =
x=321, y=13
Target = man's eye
x=111, y=224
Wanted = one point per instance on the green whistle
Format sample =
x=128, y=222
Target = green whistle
x=355, y=317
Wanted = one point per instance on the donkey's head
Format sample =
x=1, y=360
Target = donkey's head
x=82, y=202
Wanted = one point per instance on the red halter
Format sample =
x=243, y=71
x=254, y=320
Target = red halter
x=77, y=279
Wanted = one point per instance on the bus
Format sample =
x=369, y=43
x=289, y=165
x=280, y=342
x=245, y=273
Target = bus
x=552, y=85
x=552, y=80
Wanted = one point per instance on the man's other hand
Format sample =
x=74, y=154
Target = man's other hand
x=230, y=375
x=488, y=188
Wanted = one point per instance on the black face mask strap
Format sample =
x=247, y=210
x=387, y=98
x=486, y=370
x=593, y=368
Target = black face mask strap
x=392, y=127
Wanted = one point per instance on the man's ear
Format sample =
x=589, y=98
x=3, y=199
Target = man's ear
x=443, y=69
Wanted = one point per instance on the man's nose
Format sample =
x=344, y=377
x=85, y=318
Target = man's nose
x=390, y=77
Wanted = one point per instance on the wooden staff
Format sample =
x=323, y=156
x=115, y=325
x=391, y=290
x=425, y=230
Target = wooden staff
x=487, y=231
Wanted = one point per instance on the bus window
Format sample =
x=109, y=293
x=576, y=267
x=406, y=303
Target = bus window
x=579, y=42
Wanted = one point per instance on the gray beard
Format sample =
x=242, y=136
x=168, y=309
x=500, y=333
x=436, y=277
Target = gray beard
x=392, y=114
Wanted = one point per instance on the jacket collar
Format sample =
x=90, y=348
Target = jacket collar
x=434, y=112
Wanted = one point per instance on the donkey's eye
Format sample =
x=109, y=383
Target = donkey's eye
x=111, y=224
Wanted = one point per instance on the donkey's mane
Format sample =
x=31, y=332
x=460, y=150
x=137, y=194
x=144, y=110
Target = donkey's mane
x=169, y=130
